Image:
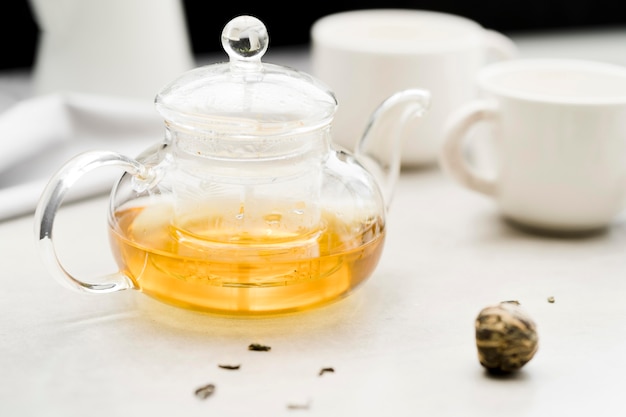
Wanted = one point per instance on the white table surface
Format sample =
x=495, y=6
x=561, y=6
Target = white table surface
x=401, y=345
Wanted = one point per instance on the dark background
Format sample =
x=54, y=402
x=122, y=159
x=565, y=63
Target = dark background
x=289, y=25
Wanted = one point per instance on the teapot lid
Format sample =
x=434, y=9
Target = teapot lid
x=246, y=97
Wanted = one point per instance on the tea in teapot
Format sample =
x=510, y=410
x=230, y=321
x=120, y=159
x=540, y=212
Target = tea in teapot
x=247, y=207
x=221, y=267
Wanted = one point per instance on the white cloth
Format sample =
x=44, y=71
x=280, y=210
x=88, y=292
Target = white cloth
x=38, y=135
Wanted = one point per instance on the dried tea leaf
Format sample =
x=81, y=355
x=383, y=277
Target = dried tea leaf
x=299, y=406
x=259, y=347
x=324, y=370
x=205, y=391
x=229, y=367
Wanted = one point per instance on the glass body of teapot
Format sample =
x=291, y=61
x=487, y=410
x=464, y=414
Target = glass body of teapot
x=246, y=207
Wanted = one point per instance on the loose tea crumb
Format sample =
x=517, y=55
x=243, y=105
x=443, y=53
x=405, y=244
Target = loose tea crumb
x=324, y=370
x=551, y=300
x=259, y=347
x=299, y=406
x=205, y=391
x=506, y=337
x=229, y=367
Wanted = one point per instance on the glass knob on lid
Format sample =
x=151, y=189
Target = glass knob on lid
x=246, y=96
x=245, y=40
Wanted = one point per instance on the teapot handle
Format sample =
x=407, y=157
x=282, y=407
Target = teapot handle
x=51, y=200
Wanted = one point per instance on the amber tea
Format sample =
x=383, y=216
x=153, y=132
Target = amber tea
x=256, y=273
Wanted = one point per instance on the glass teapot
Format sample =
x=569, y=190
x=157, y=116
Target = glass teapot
x=246, y=207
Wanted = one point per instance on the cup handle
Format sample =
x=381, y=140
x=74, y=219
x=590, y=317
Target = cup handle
x=500, y=46
x=452, y=158
x=51, y=200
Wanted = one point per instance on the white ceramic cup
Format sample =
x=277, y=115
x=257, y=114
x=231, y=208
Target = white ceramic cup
x=367, y=55
x=115, y=48
x=559, y=142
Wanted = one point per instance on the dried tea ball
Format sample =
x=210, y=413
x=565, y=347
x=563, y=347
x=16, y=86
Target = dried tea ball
x=506, y=337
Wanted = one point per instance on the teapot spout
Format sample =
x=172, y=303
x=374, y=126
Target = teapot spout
x=380, y=147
